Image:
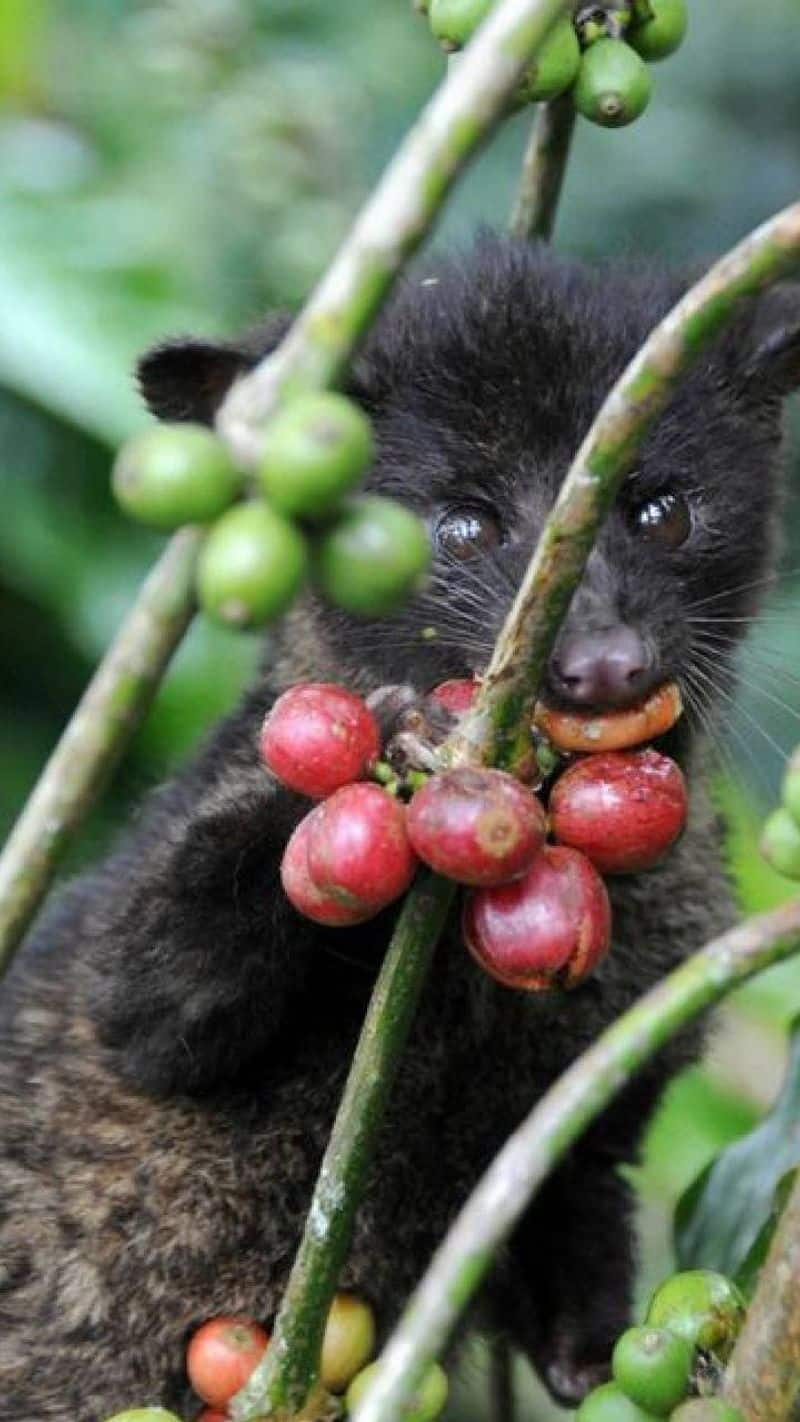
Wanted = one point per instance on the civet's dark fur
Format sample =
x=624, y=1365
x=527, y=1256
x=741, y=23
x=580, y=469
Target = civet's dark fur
x=175, y=1037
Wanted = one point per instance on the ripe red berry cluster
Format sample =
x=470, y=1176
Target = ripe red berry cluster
x=537, y=914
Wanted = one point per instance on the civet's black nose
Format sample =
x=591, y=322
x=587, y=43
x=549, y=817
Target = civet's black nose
x=612, y=667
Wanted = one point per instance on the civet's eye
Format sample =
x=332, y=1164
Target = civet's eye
x=465, y=531
x=666, y=519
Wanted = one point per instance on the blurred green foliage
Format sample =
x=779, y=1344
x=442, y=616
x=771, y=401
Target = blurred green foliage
x=176, y=165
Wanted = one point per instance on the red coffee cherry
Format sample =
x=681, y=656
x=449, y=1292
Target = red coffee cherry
x=319, y=736
x=221, y=1356
x=622, y=809
x=547, y=930
x=476, y=826
x=456, y=696
x=359, y=852
x=304, y=894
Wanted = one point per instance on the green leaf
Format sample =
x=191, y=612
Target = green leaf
x=721, y=1216
x=747, y=1277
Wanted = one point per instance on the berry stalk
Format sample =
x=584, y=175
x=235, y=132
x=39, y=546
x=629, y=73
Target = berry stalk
x=543, y=167
x=281, y=1384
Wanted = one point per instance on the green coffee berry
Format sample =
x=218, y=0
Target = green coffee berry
x=791, y=787
x=613, y=85
x=252, y=566
x=609, y=1404
x=653, y=1367
x=555, y=66
x=426, y=1405
x=701, y=1306
x=174, y=474
x=144, y=1414
x=315, y=451
x=454, y=22
x=661, y=35
x=373, y=557
x=780, y=843
x=707, y=1409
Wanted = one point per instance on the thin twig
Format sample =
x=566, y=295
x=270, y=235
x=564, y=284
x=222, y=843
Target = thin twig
x=502, y=1402
x=396, y=217
x=763, y=1376
x=578, y=1097
x=543, y=166
x=113, y=705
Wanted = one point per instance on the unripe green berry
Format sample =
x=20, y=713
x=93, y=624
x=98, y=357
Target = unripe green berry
x=174, y=474
x=653, y=1367
x=707, y=1409
x=348, y=1341
x=251, y=567
x=609, y=1404
x=661, y=35
x=791, y=787
x=454, y=22
x=144, y=1414
x=373, y=557
x=315, y=451
x=426, y=1405
x=780, y=843
x=555, y=66
x=701, y=1306
x=613, y=85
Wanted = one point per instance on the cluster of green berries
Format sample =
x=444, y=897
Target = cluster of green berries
x=296, y=518
x=780, y=841
x=693, y=1315
x=599, y=52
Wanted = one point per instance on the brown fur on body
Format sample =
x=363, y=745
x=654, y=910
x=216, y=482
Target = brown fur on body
x=174, y=1038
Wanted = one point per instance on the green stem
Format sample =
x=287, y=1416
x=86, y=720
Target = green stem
x=395, y=219
x=111, y=708
x=280, y=1386
x=496, y=731
x=543, y=166
x=763, y=1376
x=502, y=1401
x=560, y=1117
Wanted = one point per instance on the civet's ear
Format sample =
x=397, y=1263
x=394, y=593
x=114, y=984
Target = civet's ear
x=187, y=379
x=772, y=364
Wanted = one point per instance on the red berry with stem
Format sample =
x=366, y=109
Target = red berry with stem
x=622, y=809
x=456, y=696
x=476, y=826
x=221, y=1356
x=304, y=894
x=359, y=852
x=549, y=929
x=319, y=736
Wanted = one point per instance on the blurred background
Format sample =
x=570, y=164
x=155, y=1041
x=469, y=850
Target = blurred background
x=184, y=165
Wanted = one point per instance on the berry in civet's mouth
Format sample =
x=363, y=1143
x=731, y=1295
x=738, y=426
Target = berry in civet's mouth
x=619, y=729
